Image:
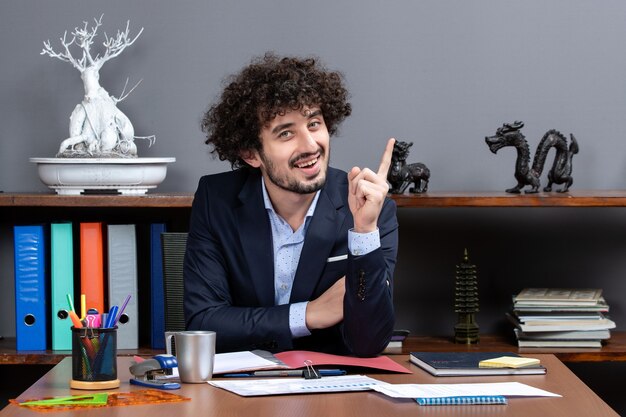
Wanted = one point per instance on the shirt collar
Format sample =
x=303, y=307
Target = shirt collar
x=268, y=203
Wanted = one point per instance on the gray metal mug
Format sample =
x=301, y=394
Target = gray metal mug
x=195, y=353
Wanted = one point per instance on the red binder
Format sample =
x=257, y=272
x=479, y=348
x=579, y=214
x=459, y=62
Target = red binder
x=92, y=265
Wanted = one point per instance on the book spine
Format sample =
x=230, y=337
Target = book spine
x=463, y=400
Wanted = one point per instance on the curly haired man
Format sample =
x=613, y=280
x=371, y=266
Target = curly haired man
x=285, y=252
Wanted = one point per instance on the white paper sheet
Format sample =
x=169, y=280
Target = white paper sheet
x=241, y=361
x=282, y=385
x=508, y=389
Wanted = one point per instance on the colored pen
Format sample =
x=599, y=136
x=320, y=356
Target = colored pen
x=117, y=318
x=70, y=302
x=75, y=320
x=83, y=306
x=112, y=316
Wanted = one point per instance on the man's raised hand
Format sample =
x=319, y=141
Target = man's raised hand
x=367, y=192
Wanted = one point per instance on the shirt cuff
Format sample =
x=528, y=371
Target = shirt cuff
x=297, y=320
x=363, y=243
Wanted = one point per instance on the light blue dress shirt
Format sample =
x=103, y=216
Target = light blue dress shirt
x=287, y=246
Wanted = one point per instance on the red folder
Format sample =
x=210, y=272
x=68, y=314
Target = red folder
x=92, y=265
x=296, y=359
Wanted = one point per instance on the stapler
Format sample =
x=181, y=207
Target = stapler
x=146, y=372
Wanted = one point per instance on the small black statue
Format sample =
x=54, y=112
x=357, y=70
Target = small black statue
x=561, y=171
x=401, y=175
x=466, y=302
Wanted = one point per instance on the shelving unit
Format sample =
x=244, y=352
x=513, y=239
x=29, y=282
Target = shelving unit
x=175, y=208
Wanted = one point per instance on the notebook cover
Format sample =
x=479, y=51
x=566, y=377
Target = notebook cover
x=466, y=364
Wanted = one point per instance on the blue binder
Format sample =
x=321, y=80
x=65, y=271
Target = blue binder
x=157, y=331
x=30, y=287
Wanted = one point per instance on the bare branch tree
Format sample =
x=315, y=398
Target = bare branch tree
x=84, y=39
x=97, y=126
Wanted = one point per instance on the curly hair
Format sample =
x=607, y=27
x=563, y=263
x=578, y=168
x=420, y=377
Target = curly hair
x=268, y=87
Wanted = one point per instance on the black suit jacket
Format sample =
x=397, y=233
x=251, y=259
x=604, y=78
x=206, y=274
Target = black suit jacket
x=229, y=269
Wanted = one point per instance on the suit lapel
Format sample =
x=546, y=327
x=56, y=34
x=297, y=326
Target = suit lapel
x=255, y=235
x=320, y=238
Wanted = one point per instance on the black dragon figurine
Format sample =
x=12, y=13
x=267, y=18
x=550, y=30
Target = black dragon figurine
x=401, y=174
x=560, y=173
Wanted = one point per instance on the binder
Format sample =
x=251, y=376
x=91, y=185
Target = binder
x=61, y=284
x=92, y=265
x=30, y=287
x=122, y=266
x=174, y=246
x=157, y=295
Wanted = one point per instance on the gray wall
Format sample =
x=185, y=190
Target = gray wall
x=443, y=74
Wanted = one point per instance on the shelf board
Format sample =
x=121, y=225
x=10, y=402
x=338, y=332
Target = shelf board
x=170, y=200
x=614, y=349
x=575, y=198
x=9, y=356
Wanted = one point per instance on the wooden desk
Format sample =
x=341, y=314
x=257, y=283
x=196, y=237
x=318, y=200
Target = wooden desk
x=577, y=400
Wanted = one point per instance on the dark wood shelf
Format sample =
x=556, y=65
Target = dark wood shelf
x=173, y=200
x=613, y=351
x=9, y=356
x=577, y=198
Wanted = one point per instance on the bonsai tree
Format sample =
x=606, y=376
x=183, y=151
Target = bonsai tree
x=97, y=127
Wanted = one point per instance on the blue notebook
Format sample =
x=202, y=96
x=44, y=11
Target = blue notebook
x=466, y=364
x=471, y=400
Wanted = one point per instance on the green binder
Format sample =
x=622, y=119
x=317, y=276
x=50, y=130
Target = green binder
x=62, y=283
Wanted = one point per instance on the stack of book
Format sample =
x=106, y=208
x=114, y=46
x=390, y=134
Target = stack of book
x=557, y=317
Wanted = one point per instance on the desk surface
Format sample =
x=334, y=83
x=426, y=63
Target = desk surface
x=577, y=400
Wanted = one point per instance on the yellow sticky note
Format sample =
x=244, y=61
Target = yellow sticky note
x=508, y=362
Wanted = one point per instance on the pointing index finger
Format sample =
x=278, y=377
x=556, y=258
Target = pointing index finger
x=385, y=161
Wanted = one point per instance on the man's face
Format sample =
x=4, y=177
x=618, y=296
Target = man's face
x=294, y=151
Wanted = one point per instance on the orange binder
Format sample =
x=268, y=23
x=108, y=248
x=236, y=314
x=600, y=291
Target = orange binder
x=92, y=265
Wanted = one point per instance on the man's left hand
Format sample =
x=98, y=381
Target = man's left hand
x=367, y=192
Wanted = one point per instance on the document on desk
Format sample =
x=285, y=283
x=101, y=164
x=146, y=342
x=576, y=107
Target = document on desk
x=276, y=386
x=507, y=389
x=242, y=361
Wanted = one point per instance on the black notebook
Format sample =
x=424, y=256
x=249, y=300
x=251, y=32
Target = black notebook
x=466, y=364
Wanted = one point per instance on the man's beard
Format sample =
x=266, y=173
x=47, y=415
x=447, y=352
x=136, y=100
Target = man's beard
x=292, y=184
